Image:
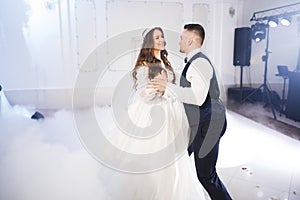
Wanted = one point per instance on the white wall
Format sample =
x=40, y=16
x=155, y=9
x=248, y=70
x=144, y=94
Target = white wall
x=44, y=43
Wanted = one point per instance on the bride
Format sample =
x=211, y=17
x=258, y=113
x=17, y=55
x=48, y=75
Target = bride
x=155, y=145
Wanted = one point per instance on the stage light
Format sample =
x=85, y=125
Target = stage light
x=258, y=31
x=286, y=20
x=273, y=22
x=37, y=116
x=258, y=37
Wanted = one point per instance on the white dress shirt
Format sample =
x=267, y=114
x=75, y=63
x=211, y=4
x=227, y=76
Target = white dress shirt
x=198, y=74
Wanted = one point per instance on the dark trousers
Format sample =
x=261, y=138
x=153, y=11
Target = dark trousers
x=206, y=170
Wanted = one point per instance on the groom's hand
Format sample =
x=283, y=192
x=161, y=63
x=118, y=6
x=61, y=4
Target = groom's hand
x=158, y=85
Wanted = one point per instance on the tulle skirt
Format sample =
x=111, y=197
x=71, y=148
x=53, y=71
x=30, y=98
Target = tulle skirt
x=153, y=161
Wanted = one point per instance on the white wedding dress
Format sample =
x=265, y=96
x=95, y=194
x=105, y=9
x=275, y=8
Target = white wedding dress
x=153, y=163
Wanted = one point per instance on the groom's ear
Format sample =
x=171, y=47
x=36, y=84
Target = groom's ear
x=190, y=41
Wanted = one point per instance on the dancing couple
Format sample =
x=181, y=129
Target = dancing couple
x=193, y=123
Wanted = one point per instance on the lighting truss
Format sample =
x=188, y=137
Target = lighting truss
x=278, y=12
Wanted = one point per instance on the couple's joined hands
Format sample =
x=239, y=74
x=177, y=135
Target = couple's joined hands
x=157, y=85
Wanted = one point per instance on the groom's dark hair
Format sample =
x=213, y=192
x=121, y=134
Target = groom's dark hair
x=196, y=28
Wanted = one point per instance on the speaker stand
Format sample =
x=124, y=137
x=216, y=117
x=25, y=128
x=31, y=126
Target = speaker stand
x=241, y=91
x=241, y=77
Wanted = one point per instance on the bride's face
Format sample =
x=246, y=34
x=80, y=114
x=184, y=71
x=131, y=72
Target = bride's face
x=159, y=40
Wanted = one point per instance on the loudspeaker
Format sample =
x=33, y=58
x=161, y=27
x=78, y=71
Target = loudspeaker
x=242, y=46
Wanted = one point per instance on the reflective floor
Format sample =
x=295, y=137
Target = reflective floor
x=45, y=160
x=257, y=162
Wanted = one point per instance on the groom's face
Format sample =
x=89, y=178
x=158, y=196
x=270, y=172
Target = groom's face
x=184, y=41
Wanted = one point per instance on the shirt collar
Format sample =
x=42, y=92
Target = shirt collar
x=192, y=53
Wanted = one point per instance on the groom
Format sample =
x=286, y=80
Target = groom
x=200, y=93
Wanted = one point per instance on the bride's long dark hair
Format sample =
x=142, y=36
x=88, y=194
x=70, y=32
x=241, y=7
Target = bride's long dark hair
x=146, y=56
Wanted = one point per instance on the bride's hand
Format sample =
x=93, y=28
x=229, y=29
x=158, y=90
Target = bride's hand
x=158, y=85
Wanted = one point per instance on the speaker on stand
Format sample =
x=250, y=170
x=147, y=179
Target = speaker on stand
x=241, y=58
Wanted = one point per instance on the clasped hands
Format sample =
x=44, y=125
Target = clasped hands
x=157, y=85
